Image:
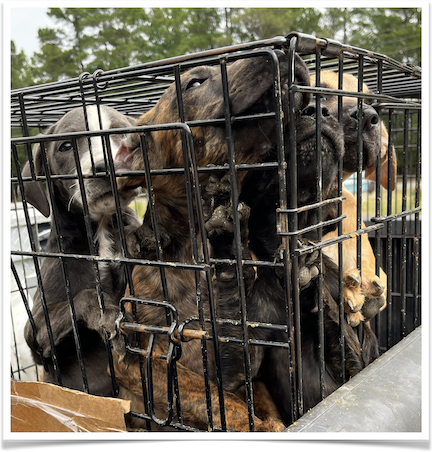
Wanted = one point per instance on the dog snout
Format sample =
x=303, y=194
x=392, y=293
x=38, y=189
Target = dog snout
x=312, y=111
x=100, y=167
x=370, y=117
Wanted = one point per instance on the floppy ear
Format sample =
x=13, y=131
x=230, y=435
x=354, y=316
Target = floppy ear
x=371, y=172
x=132, y=140
x=34, y=192
x=302, y=77
x=384, y=171
x=132, y=121
x=126, y=151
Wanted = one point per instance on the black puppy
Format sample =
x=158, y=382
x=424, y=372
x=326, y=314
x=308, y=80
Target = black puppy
x=67, y=210
x=261, y=192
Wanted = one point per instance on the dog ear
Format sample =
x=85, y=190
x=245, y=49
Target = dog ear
x=371, y=172
x=34, y=192
x=125, y=156
x=132, y=121
x=302, y=77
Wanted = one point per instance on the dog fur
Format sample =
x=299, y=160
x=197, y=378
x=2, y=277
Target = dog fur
x=365, y=294
x=264, y=291
x=67, y=213
x=250, y=90
x=261, y=193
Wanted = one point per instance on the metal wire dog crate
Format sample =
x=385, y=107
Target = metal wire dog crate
x=393, y=219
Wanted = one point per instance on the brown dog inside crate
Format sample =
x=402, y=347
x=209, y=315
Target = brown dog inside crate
x=364, y=295
x=250, y=84
x=250, y=88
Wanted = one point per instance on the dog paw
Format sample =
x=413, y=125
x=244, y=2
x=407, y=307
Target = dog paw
x=110, y=322
x=270, y=425
x=215, y=193
x=220, y=233
x=364, y=296
x=353, y=296
x=372, y=306
x=218, y=187
x=354, y=318
x=141, y=243
x=221, y=221
x=374, y=288
x=308, y=267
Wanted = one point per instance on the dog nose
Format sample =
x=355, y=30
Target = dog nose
x=100, y=167
x=311, y=111
x=370, y=116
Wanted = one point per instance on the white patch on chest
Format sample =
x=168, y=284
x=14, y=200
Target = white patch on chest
x=105, y=244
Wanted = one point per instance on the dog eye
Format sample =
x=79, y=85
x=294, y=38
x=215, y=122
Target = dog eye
x=66, y=146
x=194, y=83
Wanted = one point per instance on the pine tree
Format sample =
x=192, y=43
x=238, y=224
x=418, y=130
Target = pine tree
x=263, y=23
x=87, y=39
x=20, y=69
x=395, y=32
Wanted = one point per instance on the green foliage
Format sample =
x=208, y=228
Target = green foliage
x=395, y=32
x=175, y=31
x=87, y=39
x=20, y=69
x=263, y=23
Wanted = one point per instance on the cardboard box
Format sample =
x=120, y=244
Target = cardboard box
x=43, y=407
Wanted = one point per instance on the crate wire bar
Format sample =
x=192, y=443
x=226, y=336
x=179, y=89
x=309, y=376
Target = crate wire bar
x=135, y=90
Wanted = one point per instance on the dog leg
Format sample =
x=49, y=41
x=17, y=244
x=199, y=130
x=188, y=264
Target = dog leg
x=374, y=287
x=370, y=348
x=264, y=406
x=87, y=312
x=220, y=230
x=219, y=224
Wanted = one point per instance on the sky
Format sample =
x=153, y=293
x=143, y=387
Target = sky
x=25, y=23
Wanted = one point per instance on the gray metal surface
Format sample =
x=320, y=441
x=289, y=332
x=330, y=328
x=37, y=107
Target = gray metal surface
x=384, y=397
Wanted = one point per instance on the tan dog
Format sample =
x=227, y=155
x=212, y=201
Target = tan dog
x=368, y=287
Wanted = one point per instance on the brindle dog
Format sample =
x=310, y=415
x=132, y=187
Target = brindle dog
x=250, y=84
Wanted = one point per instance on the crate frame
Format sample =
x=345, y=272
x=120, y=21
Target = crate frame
x=43, y=105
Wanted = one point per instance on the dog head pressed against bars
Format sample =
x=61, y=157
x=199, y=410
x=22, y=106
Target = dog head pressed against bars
x=374, y=132
x=61, y=161
x=75, y=279
x=250, y=90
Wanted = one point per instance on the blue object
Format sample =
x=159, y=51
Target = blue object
x=351, y=184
